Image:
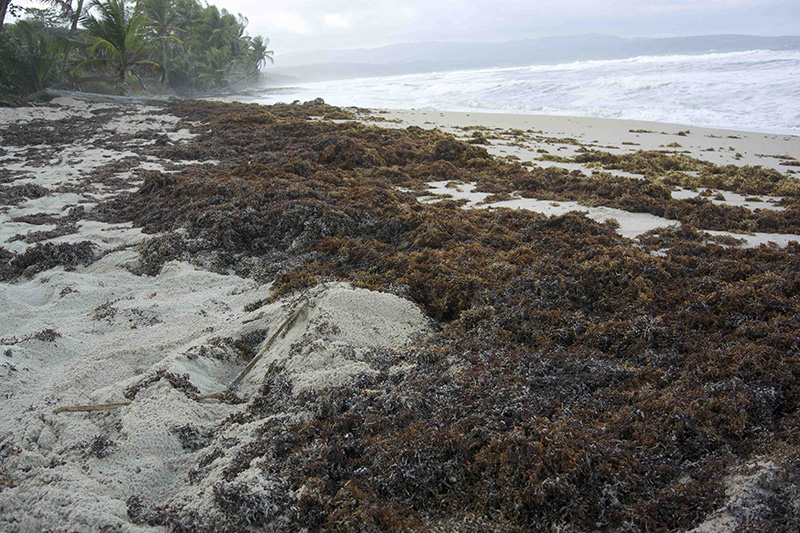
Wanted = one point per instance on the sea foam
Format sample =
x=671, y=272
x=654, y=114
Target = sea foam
x=754, y=90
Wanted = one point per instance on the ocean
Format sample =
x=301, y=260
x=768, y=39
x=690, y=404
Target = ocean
x=757, y=90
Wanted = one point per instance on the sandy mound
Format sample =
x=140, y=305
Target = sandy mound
x=113, y=331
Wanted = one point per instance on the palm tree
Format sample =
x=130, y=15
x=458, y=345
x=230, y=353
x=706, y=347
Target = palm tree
x=187, y=17
x=259, y=53
x=73, y=15
x=220, y=29
x=43, y=58
x=3, y=9
x=29, y=58
x=224, y=52
x=120, y=39
x=118, y=43
x=217, y=67
x=162, y=25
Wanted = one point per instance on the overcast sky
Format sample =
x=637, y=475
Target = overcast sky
x=295, y=25
x=303, y=25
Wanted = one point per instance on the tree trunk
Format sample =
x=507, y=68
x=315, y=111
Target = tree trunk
x=73, y=29
x=94, y=97
x=3, y=9
x=164, y=61
x=78, y=10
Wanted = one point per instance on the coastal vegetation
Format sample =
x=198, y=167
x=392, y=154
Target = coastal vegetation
x=181, y=47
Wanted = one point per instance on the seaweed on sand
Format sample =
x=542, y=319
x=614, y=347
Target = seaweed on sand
x=672, y=168
x=45, y=256
x=653, y=196
x=99, y=446
x=54, y=132
x=180, y=382
x=579, y=382
x=14, y=194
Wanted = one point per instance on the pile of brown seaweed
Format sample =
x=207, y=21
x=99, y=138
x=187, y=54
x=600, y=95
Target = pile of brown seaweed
x=579, y=382
x=653, y=194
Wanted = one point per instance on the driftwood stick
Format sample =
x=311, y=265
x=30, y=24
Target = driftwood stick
x=108, y=98
x=281, y=331
x=214, y=395
x=98, y=407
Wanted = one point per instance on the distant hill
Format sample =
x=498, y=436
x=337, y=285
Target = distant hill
x=441, y=56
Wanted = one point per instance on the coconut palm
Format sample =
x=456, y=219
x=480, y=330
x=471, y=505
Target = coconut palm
x=123, y=39
x=217, y=68
x=119, y=44
x=221, y=29
x=187, y=17
x=3, y=10
x=43, y=57
x=73, y=15
x=162, y=25
x=29, y=60
x=259, y=53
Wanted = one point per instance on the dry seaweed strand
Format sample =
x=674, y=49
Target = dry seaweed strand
x=89, y=408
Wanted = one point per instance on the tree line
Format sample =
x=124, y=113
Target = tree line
x=181, y=47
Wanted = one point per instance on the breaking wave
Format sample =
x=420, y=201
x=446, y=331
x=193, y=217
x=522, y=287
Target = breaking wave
x=754, y=90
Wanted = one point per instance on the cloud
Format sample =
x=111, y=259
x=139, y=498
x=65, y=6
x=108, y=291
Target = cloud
x=286, y=21
x=336, y=20
x=313, y=24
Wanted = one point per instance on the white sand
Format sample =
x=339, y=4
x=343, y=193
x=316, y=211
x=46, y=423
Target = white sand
x=730, y=198
x=630, y=224
x=147, y=118
x=70, y=166
x=748, y=493
x=553, y=133
x=154, y=324
x=332, y=338
x=94, y=361
x=328, y=345
x=57, y=109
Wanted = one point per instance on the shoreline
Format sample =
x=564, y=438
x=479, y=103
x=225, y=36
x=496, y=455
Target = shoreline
x=750, y=143
x=538, y=117
x=259, y=94
x=612, y=132
x=639, y=89
x=524, y=138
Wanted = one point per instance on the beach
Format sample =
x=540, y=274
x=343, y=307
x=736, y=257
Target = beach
x=105, y=302
x=565, y=136
x=719, y=146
